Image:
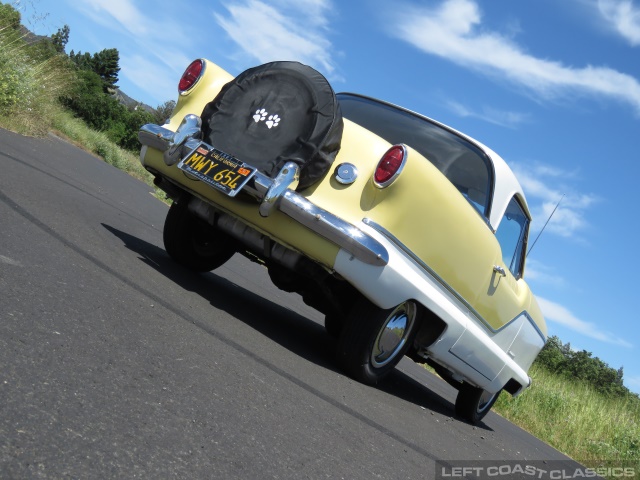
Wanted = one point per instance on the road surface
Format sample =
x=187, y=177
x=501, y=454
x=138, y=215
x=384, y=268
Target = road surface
x=117, y=363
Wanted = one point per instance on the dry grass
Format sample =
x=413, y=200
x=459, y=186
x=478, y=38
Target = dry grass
x=30, y=84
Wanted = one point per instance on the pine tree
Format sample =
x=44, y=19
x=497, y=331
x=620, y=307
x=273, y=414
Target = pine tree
x=104, y=63
x=60, y=39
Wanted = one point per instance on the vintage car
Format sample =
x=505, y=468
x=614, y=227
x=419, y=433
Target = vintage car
x=409, y=236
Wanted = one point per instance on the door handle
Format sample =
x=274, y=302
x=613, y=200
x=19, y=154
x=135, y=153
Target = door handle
x=499, y=270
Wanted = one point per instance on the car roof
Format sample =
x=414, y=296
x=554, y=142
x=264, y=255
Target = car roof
x=505, y=188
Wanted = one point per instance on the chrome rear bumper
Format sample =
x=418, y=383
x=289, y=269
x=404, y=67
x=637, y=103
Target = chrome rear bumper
x=271, y=193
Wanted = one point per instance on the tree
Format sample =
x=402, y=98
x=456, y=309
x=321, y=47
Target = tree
x=104, y=63
x=81, y=60
x=9, y=17
x=60, y=39
x=164, y=111
x=551, y=356
x=102, y=112
x=134, y=119
x=581, y=366
x=89, y=102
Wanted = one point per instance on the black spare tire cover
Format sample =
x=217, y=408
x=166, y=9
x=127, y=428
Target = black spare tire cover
x=276, y=113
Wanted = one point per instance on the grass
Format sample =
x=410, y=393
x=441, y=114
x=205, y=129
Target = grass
x=65, y=125
x=593, y=429
x=575, y=419
x=30, y=84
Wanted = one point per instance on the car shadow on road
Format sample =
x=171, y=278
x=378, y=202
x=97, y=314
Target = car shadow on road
x=298, y=334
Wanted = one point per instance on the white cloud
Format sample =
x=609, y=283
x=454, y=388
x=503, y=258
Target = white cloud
x=453, y=31
x=148, y=31
x=544, y=275
x=491, y=115
x=545, y=186
x=294, y=31
x=555, y=312
x=315, y=10
x=124, y=12
x=624, y=16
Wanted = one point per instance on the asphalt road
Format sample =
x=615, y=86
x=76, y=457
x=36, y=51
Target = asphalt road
x=116, y=363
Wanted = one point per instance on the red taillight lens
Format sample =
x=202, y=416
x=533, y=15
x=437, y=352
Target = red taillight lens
x=191, y=75
x=390, y=166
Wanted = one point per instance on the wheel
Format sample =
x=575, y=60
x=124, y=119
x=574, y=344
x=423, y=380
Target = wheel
x=334, y=324
x=374, y=340
x=192, y=243
x=473, y=403
x=276, y=113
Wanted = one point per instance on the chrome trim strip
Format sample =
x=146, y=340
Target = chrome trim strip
x=276, y=193
x=379, y=228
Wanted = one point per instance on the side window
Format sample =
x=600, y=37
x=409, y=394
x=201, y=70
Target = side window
x=512, y=234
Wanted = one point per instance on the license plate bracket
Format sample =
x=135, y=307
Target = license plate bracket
x=217, y=169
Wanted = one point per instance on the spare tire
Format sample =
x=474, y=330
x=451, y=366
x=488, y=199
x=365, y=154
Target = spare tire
x=276, y=113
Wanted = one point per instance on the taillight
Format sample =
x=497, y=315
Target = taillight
x=191, y=75
x=390, y=166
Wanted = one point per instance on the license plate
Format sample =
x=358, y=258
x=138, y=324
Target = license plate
x=217, y=169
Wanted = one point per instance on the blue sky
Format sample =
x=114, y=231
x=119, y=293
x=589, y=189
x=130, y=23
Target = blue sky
x=552, y=86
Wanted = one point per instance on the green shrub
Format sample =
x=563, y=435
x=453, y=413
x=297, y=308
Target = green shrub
x=580, y=364
x=9, y=17
x=104, y=113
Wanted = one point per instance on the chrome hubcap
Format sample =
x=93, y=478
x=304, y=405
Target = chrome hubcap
x=485, y=400
x=393, y=335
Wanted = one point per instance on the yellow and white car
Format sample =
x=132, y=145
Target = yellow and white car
x=409, y=236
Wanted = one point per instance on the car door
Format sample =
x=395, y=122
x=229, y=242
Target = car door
x=503, y=300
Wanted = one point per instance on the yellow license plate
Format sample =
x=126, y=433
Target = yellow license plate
x=217, y=169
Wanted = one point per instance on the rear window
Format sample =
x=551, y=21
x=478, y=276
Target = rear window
x=463, y=163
